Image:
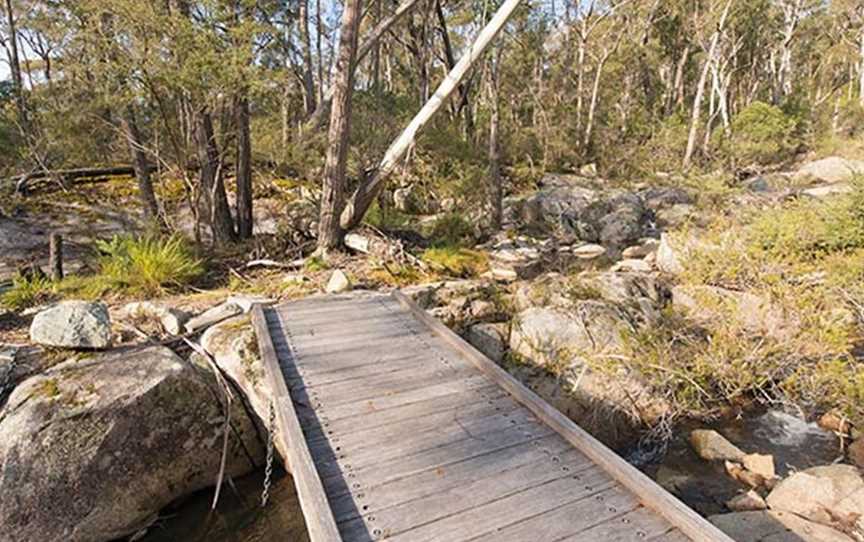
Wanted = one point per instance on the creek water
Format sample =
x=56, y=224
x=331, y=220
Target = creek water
x=704, y=486
x=238, y=517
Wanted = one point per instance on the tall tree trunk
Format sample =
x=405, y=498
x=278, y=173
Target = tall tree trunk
x=463, y=106
x=496, y=190
x=309, y=97
x=679, y=79
x=368, y=190
x=139, y=163
x=365, y=48
x=212, y=200
x=330, y=233
x=243, y=168
x=700, y=87
x=15, y=64
x=861, y=69
x=376, y=52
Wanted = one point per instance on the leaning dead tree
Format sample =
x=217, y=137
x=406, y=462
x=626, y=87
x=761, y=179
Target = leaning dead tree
x=368, y=190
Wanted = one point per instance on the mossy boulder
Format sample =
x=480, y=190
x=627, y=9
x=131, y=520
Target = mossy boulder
x=93, y=448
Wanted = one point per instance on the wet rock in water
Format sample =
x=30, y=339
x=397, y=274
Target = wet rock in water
x=212, y=316
x=713, y=446
x=774, y=526
x=760, y=464
x=170, y=319
x=747, y=502
x=830, y=170
x=833, y=495
x=749, y=478
x=490, y=339
x=73, y=324
x=338, y=282
x=856, y=453
x=93, y=448
x=835, y=422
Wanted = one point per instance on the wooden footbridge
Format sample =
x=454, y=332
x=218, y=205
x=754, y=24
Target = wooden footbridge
x=396, y=429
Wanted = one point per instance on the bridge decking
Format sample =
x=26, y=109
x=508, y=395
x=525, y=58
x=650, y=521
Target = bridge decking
x=399, y=430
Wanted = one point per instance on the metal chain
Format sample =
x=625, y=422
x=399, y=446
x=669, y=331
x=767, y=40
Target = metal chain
x=6, y=381
x=268, y=469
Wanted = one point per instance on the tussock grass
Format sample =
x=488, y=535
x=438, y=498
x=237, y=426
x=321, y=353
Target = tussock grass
x=147, y=265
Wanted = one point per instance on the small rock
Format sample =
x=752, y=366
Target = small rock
x=73, y=324
x=713, y=446
x=589, y=252
x=826, y=190
x=588, y=170
x=833, y=421
x=746, y=477
x=806, y=495
x=247, y=301
x=632, y=266
x=294, y=278
x=667, y=259
x=747, y=502
x=212, y=316
x=856, y=452
x=757, y=184
x=170, y=319
x=642, y=250
x=760, y=464
x=8, y=353
x=490, y=339
x=338, y=282
x=774, y=526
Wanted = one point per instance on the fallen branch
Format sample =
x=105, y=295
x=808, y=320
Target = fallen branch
x=68, y=175
x=294, y=264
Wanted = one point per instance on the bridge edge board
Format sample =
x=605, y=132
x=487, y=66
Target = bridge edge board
x=320, y=523
x=649, y=492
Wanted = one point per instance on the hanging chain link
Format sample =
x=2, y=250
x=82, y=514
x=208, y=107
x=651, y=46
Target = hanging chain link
x=6, y=380
x=268, y=469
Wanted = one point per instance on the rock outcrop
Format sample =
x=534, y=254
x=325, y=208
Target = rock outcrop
x=93, y=448
x=830, y=170
x=73, y=324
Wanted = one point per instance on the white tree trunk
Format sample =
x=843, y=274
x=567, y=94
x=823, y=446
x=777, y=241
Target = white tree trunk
x=861, y=70
x=368, y=190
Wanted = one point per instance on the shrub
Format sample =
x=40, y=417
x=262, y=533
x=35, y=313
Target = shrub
x=460, y=262
x=147, y=264
x=761, y=134
x=27, y=292
x=452, y=230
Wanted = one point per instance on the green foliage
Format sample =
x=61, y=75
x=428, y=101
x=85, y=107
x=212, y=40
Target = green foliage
x=460, y=262
x=452, y=230
x=761, y=134
x=27, y=292
x=316, y=263
x=806, y=229
x=385, y=218
x=147, y=265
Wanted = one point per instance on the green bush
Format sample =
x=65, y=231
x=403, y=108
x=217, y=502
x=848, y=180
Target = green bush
x=761, y=134
x=147, y=265
x=27, y=292
x=452, y=230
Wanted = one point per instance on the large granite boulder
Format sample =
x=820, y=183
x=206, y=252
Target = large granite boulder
x=830, y=170
x=831, y=495
x=73, y=324
x=94, y=447
x=774, y=526
x=616, y=222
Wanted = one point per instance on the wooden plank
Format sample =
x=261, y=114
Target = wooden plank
x=473, y=482
x=471, y=494
x=359, y=346
x=478, y=430
x=406, y=428
x=346, y=373
x=320, y=523
x=651, y=494
x=572, y=517
x=636, y=526
x=421, y=409
x=511, y=509
x=443, y=456
x=343, y=410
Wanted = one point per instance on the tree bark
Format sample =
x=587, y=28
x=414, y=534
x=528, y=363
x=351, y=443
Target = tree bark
x=55, y=256
x=330, y=233
x=463, y=106
x=15, y=64
x=496, y=190
x=212, y=201
x=140, y=165
x=861, y=69
x=700, y=87
x=243, y=169
x=309, y=97
x=365, y=48
x=368, y=190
